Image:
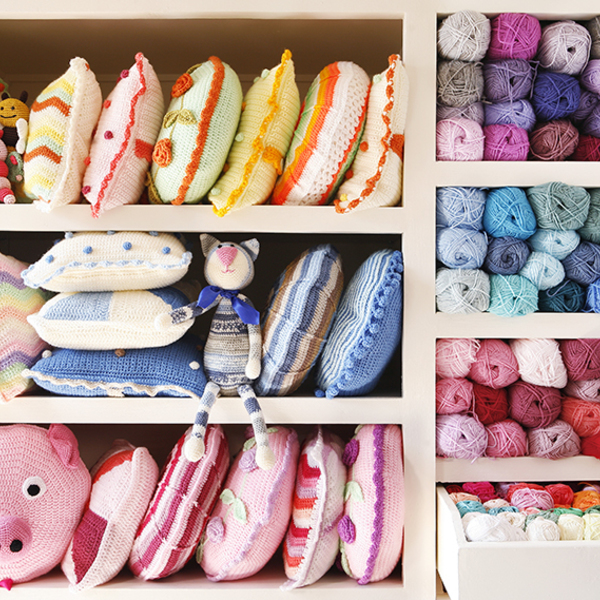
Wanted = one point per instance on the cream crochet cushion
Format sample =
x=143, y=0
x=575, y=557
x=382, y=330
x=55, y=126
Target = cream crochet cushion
x=61, y=123
x=377, y=169
x=270, y=113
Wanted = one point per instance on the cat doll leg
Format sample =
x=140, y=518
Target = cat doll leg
x=194, y=446
x=265, y=458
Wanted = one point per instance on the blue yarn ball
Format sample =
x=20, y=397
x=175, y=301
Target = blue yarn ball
x=459, y=248
x=567, y=296
x=512, y=296
x=506, y=255
x=543, y=270
x=593, y=296
x=519, y=113
x=555, y=95
x=500, y=509
x=508, y=213
x=467, y=506
x=555, y=242
x=583, y=264
x=460, y=207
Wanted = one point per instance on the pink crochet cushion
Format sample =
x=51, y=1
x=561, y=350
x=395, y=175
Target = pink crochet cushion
x=123, y=481
x=182, y=503
x=44, y=487
x=312, y=541
x=121, y=151
x=372, y=526
x=252, y=514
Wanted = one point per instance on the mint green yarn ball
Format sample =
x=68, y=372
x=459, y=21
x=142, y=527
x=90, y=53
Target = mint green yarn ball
x=591, y=228
x=559, y=205
x=512, y=296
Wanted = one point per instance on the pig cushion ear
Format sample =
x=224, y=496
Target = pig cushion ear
x=65, y=443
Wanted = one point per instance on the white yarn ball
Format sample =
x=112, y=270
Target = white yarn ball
x=592, y=526
x=495, y=503
x=468, y=517
x=540, y=361
x=571, y=527
x=489, y=528
x=564, y=47
x=464, y=35
x=542, y=530
x=516, y=519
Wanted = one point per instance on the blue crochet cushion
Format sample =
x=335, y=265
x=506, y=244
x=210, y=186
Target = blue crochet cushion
x=366, y=330
x=300, y=311
x=174, y=370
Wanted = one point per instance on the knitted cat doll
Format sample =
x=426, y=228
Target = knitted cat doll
x=232, y=355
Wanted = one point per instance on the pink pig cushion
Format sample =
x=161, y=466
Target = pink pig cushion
x=372, y=526
x=121, y=150
x=44, y=487
x=252, y=514
x=123, y=481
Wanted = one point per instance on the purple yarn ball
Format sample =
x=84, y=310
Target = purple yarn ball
x=505, y=142
x=587, y=102
x=506, y=255
x=590, y=78
x=474, y=112
x=460, y=436
x=514, y=35
x=583, y=264
x=519, y=113
x=555, y=95
x=591, y=126
x=507, y=80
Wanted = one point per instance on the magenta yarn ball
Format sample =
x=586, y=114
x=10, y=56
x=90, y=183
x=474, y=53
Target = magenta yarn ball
x=505, y=142
x=533, y=405
x=514, y=35
x=459, y=140
x=506, y=439
x=460, y=436
x=495, y=364
x=453, y=395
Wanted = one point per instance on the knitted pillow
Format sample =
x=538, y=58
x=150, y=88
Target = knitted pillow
x=252, y=514
x=182, y=503
x=96, y=261
x=173, y=370
x=20, y=345
x=326, y=137
x=312, y=541
x=109, y=320
x=61, y=123
x=271, y=109
x=121, y=150
x=123, y=481
x=196, y=133
x=366, y=330
x=377, y=169
x=372, y=526
x=300, y=310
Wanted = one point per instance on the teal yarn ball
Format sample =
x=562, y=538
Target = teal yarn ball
x=566, y=297
x=559, y=205
x=583, y=264
x=508, y=213
x=500, y=509
x=554, y=242
x=459, y=248
x=467, y=506
x=543, y=270
x=460, y=207
x=591, y=228
x=462, y=291
x=512, y=296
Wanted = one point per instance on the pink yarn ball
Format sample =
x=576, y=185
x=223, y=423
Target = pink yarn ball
x=514, y=35
x=533, y=405
x=454, y=356
x=484, y=489
x=459, y=140
x=453, y=395
x=505, y=142
x=460, y=436
x=526, y=498
x=582, y=358
x=557, y=440
x=495, y=364
x=585, y=390
x=506, y=439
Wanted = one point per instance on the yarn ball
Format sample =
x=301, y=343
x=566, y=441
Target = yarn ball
x=453, y=395
x=459, y=83
x=489, y=528
x=581, y=358
x=543, y=270
x=567, y=296
x=460, y=436
x=564, y=47
x=511, y=488
x=583, y=416
x=571, y=527
x=593, y=297
x=454, y=356
x=507, y=80
x=514, y=35
x=528, y=497
x=495, y=364
x=460, y=207
x=593, y=26
x=505, y=142
x=474, y=112
x=506, y=439
x=591, y=228
x=464, y=35
x=467, y=506
x=561, y=493
x=506, y=255
x=590, y=446
x=540, y=361
x=555, y=140
x=590, y=78
x=586, y=390
x=583, y=264
x=515, y=518
x=484, y=489
x=519, y=113
x=555, y=95
x=533, y=405
x=454, y=488
x=542, y=530
x=457, y=497
x=508, y=213
x=489, y=404
x=460, y=248
x=459, y=140
x=512, y=296
x=462, y=291
x=559, y=205
x=591, y=522
x=591, y=125
x=556, y=243
x=587, y=102
x=557, y=440
x=588, y=149
x=585, y=499
x=495, y=504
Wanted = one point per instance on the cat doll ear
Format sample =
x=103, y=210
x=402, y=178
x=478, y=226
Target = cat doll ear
x=252, y=247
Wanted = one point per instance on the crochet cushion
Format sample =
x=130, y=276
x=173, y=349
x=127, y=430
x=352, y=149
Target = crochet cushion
x=377, y=169
x=178, y=512
x=300, y=310
x=372, y=526
x=326, y=137
x=252, y=514
x=173, y=370
x=196, y=133
x=122, y=145
x=20, y=345
x=61, y=123
x=312, y=541
x=271, y=109
x=104, y=262
x=123, y=481
x=110, y=320
x=366, y=329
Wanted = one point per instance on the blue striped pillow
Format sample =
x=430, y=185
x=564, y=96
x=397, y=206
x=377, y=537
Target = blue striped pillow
x=366, y=330
x=300, y=311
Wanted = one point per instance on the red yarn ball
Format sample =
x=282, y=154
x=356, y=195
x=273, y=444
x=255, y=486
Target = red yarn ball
x=581, y=358
x=588, y=148
x=506, y=439
x=583, y=416
x=484, y=489
x=533, y=405
x=495, y=364
x=489, y=405
x=562, y=494
x=454, y=488
x=590, y=446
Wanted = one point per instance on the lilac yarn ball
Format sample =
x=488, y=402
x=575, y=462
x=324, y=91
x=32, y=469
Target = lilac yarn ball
x=564, y=47
x=591, y=125
x=507, y=80
x=590, y=78
x=474, y=112
x=505, y=142
x=587, y=102
x=557, y=440
x=519, y=113
x=514, y=35
x=460, y=207
x=459, y=248
x=555, y=95
x=460, y=436
x=583, y=264
x=506, y=255
x=459, y=140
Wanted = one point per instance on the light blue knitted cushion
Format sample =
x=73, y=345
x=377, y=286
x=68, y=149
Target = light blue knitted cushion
x=366, y=330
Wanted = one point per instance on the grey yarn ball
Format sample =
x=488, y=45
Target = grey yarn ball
x=462, y=291
x=564, y=47
x=473, y=112
x=459, y=83
x=465, y=35
x=593, y=26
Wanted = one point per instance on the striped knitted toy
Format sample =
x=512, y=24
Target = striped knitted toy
x=232, y=355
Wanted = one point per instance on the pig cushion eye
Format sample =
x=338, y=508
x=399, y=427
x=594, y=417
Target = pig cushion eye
x=33, y=487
